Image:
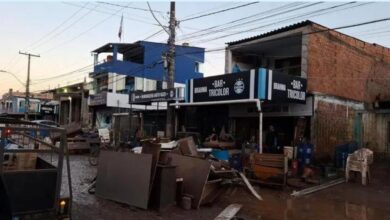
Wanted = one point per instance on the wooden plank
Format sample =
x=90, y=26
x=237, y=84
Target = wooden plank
x=195, y=172
x=250, y=187
x=124, y=177
x=317, y=188
x=154, y=150
x=229, y=212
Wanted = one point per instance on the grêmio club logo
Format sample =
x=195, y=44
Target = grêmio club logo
x=239, y=86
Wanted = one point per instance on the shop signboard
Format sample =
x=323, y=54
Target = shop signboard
x=258, y=84
x=164, y=95
x=284, y=88
x=47, y=109
x=98, y=99
x=222, y=87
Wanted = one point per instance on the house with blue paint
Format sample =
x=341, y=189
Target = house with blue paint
x=120, y=68
x=13, y=104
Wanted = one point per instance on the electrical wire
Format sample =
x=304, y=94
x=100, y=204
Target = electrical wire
x=61, y=25
x=280, y=38
x=289, y=5
x=284, y=20
x=217, y=12
x=208, y=10
x=257, y=19
x=126, y=6
x=66, y=28
x=108, y=11
x=15, y=60
x=155, y=18
x=84, y=32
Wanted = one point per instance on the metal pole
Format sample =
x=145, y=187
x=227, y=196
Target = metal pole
x=157, y=118
x=260, y=132
x=171, y=65
x=27, y=105
x=130, y=120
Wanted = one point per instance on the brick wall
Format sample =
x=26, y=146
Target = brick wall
x=343, y=66
x=333, y=125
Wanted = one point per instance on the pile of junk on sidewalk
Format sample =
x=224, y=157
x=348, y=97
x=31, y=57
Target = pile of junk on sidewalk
x=190, y=173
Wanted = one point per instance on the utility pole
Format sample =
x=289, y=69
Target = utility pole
x=27, y=103
x=171, y=65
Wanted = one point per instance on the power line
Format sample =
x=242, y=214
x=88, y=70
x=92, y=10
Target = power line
x=49, y=33
x=217, y=12
x=126, y=6
x=286, y=37
x=82, y=33
x=257, y=19
x=280, y=38
x=288, y=19
x=162, y=26
x=60, y=25
x=66, y=28
x=110, y=13
x=290, y=5
x=155, y=34
x=210, y=9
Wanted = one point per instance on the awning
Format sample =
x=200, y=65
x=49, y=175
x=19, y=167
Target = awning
x=239, y=101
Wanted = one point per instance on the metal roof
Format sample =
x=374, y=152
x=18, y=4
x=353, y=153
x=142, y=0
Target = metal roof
x=270, y=33
x=123, y=47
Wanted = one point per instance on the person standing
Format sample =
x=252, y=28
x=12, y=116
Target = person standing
x=271, y=140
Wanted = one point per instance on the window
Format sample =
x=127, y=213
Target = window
x=291, y=66
x=198, y=67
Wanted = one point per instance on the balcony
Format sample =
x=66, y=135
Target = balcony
x=120, y=67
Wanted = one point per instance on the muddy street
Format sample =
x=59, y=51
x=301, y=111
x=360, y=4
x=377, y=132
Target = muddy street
x=344, y=201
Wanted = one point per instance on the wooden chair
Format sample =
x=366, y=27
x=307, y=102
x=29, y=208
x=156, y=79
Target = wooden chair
x=360, y=161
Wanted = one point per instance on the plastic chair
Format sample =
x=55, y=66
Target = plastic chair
x=360, y=161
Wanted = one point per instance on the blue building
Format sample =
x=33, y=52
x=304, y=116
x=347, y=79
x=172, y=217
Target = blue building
x=123, y=67
x=13, y=104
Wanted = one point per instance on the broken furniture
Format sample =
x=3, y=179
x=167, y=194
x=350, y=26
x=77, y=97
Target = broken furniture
x=78, y=143
x=164, y=187
x=360, y=161
x=270, y=169
x=149, y=147
x=195, y=172
x=124, y=177
x=187, y=146
x=219, y=144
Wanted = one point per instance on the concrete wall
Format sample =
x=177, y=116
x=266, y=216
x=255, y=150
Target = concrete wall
x=343, y=66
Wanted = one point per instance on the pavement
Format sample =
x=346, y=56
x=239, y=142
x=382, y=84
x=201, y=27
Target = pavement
x=345, y=201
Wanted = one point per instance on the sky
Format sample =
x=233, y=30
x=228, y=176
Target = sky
x=65, y=33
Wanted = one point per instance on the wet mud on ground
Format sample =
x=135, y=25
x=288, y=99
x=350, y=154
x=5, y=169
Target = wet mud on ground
x=344, y=201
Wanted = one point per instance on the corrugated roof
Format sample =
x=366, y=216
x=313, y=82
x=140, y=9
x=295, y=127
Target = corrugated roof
x=277, y=31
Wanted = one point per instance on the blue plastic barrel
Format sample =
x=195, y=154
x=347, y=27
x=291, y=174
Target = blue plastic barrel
x=305, y=154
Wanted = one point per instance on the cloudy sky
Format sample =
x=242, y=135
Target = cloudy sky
x=64, y=33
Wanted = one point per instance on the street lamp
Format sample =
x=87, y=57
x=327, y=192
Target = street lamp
x=12, y=74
